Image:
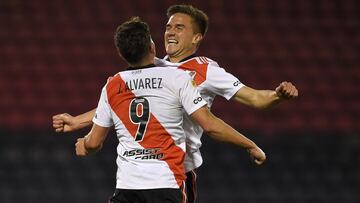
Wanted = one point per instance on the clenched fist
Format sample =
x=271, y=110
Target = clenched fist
x=257, y=155
x=286, y=90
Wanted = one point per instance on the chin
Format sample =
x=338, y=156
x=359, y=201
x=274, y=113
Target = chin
x=170, y=52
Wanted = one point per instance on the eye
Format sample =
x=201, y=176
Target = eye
x=168, y=27
x=179, y=27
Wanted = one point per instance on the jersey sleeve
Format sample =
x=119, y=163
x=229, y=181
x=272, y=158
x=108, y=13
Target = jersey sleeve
x=103, y=116
x=189, y=96
x=221, y=82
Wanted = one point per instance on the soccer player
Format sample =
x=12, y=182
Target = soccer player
x=185, y=30
x=145, y=103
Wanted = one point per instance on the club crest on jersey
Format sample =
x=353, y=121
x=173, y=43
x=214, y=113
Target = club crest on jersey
x=192, y=75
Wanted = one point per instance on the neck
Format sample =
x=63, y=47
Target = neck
x=176, y=59
x=179, y=56
x=181, y=59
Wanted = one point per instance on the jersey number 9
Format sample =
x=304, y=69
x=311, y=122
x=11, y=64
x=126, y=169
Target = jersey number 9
x=140, y=114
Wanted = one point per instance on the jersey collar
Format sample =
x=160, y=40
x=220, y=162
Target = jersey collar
x=141, y=67
x=182, y=60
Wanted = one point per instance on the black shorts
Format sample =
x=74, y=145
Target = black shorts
x=163, y=195
x=190, y=186
x=186, y=194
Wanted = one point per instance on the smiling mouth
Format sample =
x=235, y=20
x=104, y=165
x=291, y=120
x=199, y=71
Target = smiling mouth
x=172, y=41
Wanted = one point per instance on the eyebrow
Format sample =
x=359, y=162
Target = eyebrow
x=176, y=25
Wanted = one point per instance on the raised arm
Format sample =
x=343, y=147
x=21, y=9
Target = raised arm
x=262, y=99
x=65, y=122
x=219, y=130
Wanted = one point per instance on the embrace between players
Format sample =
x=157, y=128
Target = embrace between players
x=160, y=108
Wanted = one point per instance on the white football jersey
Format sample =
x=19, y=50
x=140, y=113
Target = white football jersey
x=211, y=80
x=146, y=107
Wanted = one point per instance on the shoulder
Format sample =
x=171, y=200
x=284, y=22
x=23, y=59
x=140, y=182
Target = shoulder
x=200, y=67
x=198, y=63
x=112, y=79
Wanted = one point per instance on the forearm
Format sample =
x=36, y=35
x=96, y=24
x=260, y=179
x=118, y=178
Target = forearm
x=260, y=99
x=90, y=146
x=221, y=131
x=95, y=138
x=266, y=99
x=85, y=119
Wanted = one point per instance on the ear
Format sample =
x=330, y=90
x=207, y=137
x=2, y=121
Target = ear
x=152, y=48
x=197, y=38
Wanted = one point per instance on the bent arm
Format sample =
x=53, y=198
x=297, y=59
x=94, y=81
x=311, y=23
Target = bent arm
x=92, y=142
x=63, y=123
x=219, y=130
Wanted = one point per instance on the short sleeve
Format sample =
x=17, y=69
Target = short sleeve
x=103, y=116
x=221, y=82
x=189, y=96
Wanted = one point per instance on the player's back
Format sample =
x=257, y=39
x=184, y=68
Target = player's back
x=147, y=108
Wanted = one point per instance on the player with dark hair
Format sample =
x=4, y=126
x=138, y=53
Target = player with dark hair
x=145, y=104
x=185, y=30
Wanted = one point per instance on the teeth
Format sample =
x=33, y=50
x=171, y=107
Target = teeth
x=170, y=41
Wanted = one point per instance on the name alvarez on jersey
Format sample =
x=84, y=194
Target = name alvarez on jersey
x=142, y=83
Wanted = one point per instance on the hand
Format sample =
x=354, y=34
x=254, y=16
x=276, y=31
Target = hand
x=64, y=123
x=257, y=155
x=286, y=90
x=80, y=147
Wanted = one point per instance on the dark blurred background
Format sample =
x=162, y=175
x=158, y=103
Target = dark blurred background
x=56, y=55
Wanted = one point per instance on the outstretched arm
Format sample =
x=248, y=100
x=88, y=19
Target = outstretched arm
x=67, y=123
x=219, y=130
x=262, y=99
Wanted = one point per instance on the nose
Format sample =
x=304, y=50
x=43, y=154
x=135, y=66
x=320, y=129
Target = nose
x=170, y=32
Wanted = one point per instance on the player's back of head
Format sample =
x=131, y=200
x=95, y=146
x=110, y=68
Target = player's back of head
x=132, y=40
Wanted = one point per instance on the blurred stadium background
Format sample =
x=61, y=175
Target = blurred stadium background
x=56, y=55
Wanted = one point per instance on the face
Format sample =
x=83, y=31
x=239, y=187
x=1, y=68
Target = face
x=180, y=39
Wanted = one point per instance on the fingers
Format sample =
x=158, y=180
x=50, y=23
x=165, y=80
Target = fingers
x=59, y=122
x=79, y=147
x=58, y=125
x=259, y=162
x=257, y=155
x=287, y=90
x=261, y=158
x=59, y=130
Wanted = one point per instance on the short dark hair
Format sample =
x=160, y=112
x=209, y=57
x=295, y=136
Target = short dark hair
x=132, y=40
x=199, y=17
